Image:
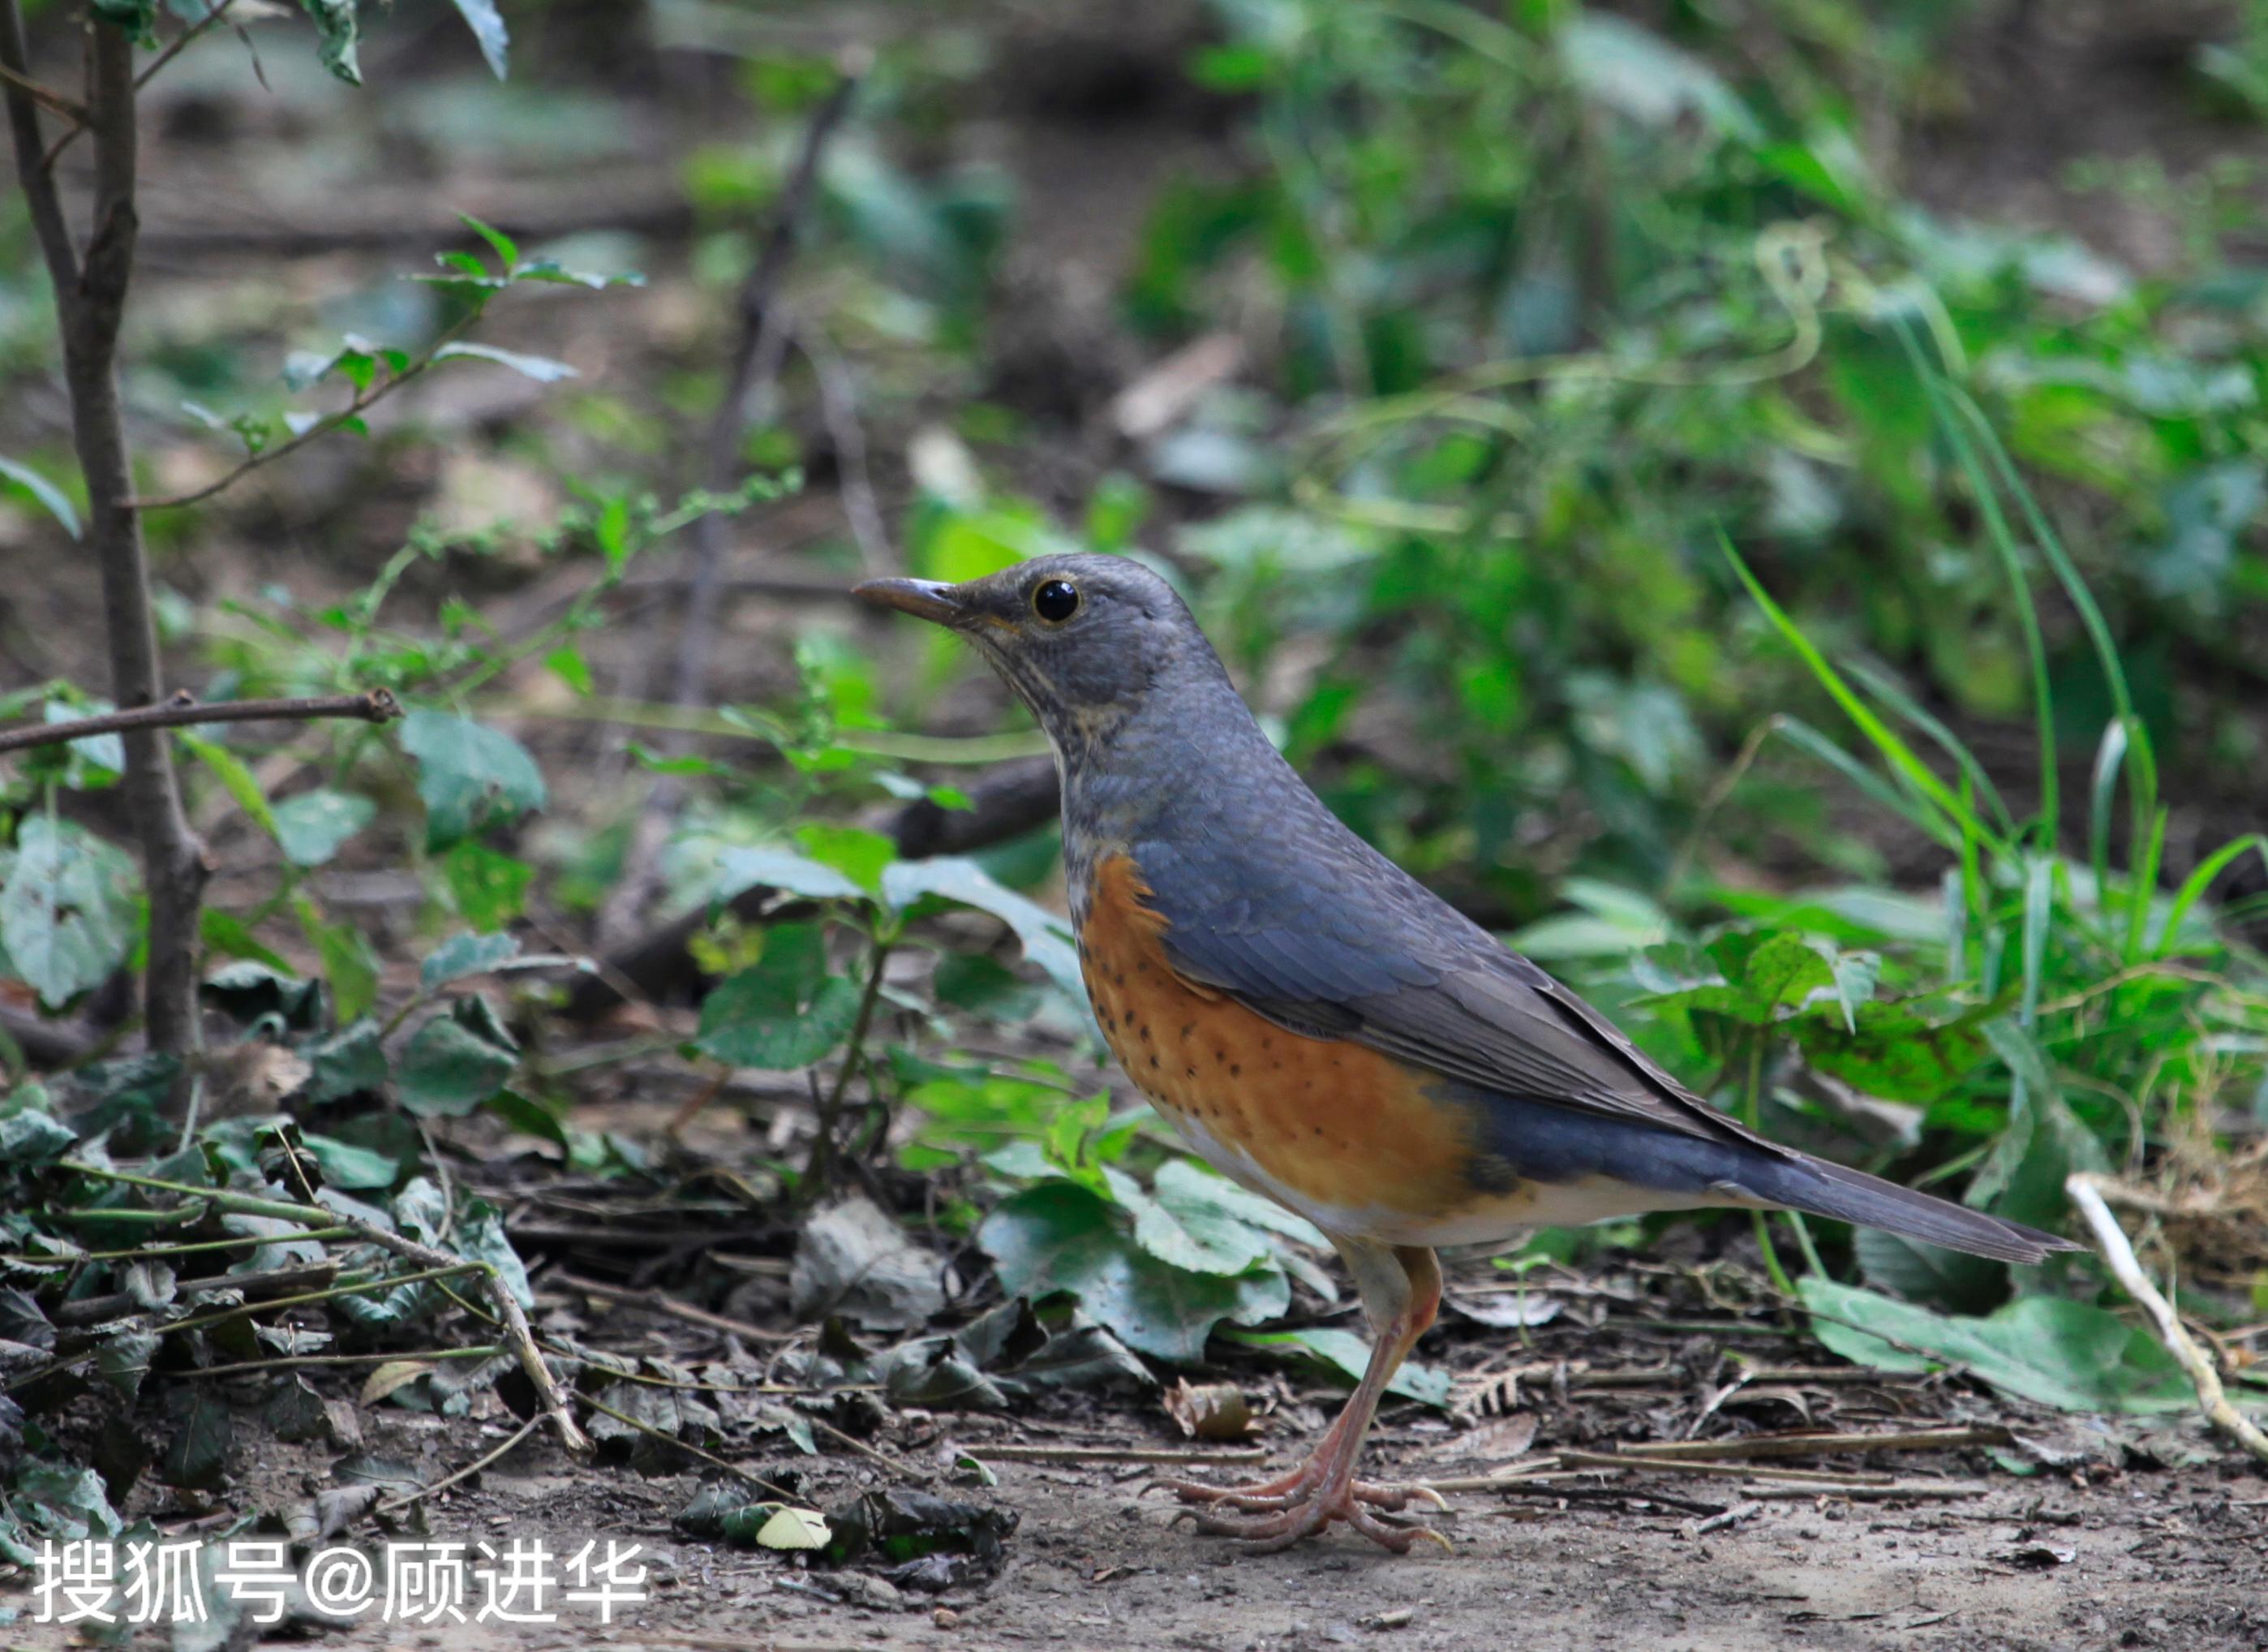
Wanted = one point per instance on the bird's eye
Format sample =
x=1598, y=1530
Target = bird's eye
x=1055, y=601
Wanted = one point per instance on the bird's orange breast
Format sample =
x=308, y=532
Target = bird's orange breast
x=1350, y=1137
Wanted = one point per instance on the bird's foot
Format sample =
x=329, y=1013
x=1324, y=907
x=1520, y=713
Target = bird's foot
x=1276, y=1514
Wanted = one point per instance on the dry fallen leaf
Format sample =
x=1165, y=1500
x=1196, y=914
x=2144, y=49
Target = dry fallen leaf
x=1211, y=1411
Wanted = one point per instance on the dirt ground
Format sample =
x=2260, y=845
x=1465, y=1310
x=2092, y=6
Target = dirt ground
x=2089, y=1557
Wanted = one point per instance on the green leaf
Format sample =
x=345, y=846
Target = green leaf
x=336, y=29
x=39, y=487
x=350, y=1062
x=349, y=963
x=313, y=826
x=488, y=886
x=463, y=956
x=1060, y=1236
x=196, y=1455
x=345, y=1165
x=1929, y=1274
x=1349, y=1355
x=786, y=1011
x=543, y=369
x=468, y=775
x=1046, y=937
x=32, y=1138
x=2072, y=1355
x=740, y=869
x=67, y=910
x=235, y=777
x=860, y=855
x=503, y=246
x=794, y=1529
x=456, y=1061
x=124, y=1358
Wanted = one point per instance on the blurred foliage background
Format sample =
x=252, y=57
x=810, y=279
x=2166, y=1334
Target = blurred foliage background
x=1756, y=500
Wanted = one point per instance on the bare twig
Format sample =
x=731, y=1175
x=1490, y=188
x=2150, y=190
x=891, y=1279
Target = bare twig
x=2085, y=1191
x=1789, y=1445
x=1108, y=1453
x=674, y=1310
x=52, y=101
x=174, y=50
x=378, y=705
x=363, y=401
x=756, y=362
x=464, y=1474
x=93, y=1311
x=838, y=405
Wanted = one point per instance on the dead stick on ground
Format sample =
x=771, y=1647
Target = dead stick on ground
x=1789, y=1445
x=756, y=356
x=1687, y=1465
x=1107, y=1454
x=2085, y=1191
x=684, y=1311
x=379, y=705
x=462, y=1474
x=517, y=1335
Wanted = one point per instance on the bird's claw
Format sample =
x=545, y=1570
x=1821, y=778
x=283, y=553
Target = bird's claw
x=1276, y=1514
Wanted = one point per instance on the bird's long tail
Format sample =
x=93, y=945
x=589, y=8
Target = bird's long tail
x=1819, y=1188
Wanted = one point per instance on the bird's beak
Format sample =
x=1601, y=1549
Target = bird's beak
x=924, y=599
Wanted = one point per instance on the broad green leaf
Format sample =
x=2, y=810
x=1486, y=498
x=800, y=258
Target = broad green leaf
x=463, y=956
x=2072, y=1355
x=336, y=29
x=67, y=909
x=739, y=869
x=783, y=1012
x=1194, y=1235
x=1045, y=936
x=57, y=502
x=350, y=1062
x=543, y=369
x=32, y=1138
x=1348, y=1354
x=313, y=826
x=1929, y=1274
x=858, y=854
x=343, y=1164
x=196, y=1452
x=488, y=886
x=456, y=1061
x=1637, y=73
x=468, y=774
x=1059, y=1236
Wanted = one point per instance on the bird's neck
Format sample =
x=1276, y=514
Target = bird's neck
x=1126, y=775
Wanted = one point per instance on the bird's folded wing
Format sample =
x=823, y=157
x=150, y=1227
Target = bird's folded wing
x=1487, y=1018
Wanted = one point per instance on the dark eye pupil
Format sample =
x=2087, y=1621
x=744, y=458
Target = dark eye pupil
x=1056, y=601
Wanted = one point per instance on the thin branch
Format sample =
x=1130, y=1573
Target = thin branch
x=53, y=102
x=47, y=221
x=756, y=362
x=2085, y=1191
x=362, y=402
x=376, y=706
x=173, y=50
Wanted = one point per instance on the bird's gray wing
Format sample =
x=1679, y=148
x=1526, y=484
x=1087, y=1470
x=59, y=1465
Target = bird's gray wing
x=1365, y=953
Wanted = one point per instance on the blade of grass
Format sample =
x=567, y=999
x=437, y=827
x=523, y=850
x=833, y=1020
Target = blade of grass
x=2194, y=886
x=1895, y=752
x=2102, y=795
x=1886, y=689
x=1936, y=388
x=1811, y=742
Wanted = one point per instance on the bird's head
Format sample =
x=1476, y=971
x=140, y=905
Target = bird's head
x=1086, y=641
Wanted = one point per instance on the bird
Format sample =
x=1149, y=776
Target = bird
x=1324, y=1030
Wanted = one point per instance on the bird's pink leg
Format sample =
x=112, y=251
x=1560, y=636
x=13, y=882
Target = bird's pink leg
x=1401, y=1288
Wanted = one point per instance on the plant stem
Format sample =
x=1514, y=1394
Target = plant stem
x=821, y=1168
x=379, y=705
x=1751, y=1114
x=89, y=296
